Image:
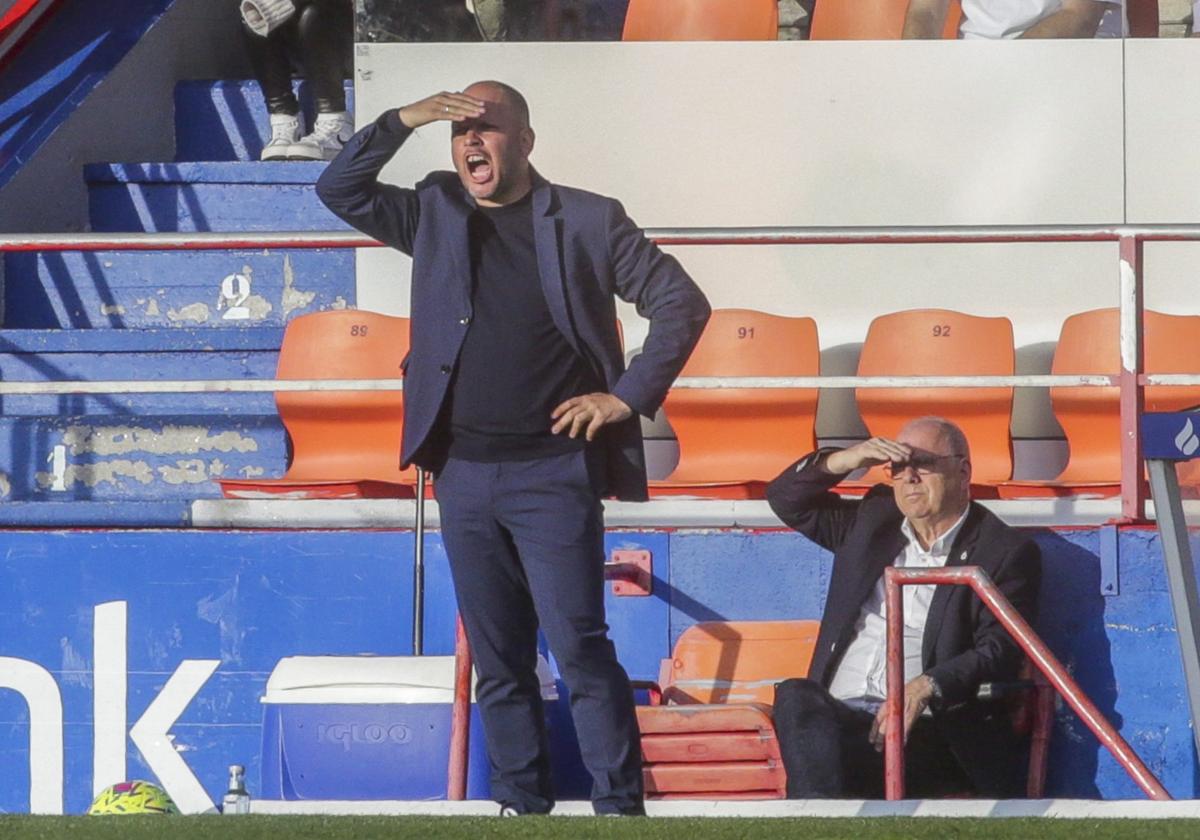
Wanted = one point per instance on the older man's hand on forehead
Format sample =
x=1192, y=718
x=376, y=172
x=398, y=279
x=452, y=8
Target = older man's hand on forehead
x=452, y=107
x=869, y=453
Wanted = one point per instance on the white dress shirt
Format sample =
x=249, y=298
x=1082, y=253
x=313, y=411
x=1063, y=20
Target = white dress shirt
x=999, y=19
x=861, y=676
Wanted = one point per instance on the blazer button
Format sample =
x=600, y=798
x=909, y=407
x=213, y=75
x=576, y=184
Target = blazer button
x=465, y=320
x=445, y=368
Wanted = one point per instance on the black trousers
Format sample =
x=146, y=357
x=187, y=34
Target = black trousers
x=319, y=36
x=525, y=541
x=827, y=754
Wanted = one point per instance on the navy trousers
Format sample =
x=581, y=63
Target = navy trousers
x=525, y=541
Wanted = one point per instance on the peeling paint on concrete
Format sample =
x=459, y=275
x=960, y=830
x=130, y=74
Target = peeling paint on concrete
x=251, y=472
x=5, y=486
x=152, y=308
x=198, y=312
x=293, y=298
x=112, y=309
x=170, y=440
x=189, y=471
x=259, y=307
x=91, y=475
x=339, y=302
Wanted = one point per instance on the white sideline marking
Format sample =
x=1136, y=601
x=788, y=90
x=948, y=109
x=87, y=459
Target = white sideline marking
x=1069, y=809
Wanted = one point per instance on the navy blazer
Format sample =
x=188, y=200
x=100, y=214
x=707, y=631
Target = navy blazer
x=588, y=250
x=963, y=646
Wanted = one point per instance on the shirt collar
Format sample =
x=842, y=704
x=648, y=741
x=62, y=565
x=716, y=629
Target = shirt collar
x=941, y=546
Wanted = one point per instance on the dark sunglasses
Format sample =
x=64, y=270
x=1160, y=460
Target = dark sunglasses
x=923, y=463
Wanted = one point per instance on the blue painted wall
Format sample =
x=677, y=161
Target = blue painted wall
x=249, y=599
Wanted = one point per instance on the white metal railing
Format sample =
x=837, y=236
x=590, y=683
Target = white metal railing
x=1130, y=238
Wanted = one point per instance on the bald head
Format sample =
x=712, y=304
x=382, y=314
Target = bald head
x=507, y=93
x=950, y=437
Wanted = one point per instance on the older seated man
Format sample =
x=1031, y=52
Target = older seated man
x=831, y=725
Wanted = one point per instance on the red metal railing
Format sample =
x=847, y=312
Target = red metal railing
x=1025, y=637
x=460, y=717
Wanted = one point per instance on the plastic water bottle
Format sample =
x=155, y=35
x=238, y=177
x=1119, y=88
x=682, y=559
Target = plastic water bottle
x=236, y=800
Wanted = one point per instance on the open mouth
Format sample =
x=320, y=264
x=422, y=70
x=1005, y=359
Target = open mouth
x=479, y=168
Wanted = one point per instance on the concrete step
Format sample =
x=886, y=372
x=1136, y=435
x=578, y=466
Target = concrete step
x=124, y=197
x=146, y=289
x=218, y=120
x=151, y=447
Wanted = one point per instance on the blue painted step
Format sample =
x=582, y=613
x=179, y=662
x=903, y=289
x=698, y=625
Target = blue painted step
x=140, y=289
x=133, y=447
x=231, y=197
x=227, y=120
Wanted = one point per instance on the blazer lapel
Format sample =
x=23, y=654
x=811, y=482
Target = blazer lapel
x=960, y=555
x=546, y=229
x=458, y=243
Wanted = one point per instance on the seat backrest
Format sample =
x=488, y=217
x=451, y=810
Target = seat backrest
x=1090, y=417
x=737, y=661
x=344, y=435
x=940, y=342
x=745, y=434
x=701, y=20
x=869, y=20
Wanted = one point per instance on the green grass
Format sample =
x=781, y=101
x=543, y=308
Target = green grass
x=574, y=828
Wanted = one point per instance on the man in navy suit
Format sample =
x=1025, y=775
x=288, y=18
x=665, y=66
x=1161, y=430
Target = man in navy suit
x=517, y=398
x=831, y=725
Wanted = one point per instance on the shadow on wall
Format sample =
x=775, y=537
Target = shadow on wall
x=1071, y=578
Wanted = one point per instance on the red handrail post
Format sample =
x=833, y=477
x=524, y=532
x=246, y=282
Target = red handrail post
x=1037, y=651
x=460, y=717
x=1133, y=488
x=893, y=742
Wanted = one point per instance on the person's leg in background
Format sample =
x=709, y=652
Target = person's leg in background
x=273, y=70
x=324, y=35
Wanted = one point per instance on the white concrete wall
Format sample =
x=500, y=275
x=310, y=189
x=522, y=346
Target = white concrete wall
x=849, y=133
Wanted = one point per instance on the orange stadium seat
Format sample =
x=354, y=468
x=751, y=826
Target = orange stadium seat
x=939, y=342
x=702, y=20
x=869, y=20
x=1090, y=417
x=712, y=735
x=345, y=444
x=732, y=441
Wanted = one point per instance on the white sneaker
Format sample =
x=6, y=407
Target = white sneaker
x=330, y=133
x=285, y=131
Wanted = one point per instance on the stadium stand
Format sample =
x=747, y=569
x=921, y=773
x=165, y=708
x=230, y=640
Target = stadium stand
x=1090, y=417
x=344, y=443
x=701, y=20
x=732, y=441
x=940, y=342
x=712, y=737
x=869, y=20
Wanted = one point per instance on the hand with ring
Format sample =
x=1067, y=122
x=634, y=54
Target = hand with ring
x=451, y=107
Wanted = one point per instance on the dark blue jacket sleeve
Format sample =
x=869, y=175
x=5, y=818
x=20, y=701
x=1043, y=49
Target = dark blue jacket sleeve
x=665, y=295
x=350, y=186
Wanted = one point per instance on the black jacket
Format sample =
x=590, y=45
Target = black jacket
x=964, y=645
